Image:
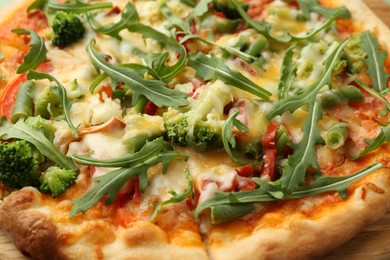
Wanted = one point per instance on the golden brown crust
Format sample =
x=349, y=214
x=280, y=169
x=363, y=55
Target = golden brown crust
x=31, y=231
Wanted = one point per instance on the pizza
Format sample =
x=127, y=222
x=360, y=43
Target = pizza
x=207, y=129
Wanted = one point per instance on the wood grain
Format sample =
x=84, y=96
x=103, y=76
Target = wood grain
x=372, y=243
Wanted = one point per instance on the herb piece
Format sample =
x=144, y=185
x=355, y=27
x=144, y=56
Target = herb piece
x=287, y=74
x=36, y=55
x=304, y=151
x=157, y=61
x=212, y=68
x=292, y=103
x=377, y=95
x=77, y=6
x=201, y=7
x=229, y=142
x=308, y=6
x=266, y=191
x=375, y=61
x=175, y=197
x=37, y=4
x=60, y=92
x=129, y=16
x=20, y=130
x=132, y=164
x=154, y=90
x=383, y=136
x=265, y=27
x=190, y=3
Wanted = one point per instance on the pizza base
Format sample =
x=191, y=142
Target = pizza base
x=22, y=217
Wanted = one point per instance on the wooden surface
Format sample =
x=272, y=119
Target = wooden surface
x=371, y=243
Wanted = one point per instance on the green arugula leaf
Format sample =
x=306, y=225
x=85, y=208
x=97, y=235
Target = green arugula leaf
x=308, y=6
x=155, y=91
x=176, y=197
x=77, y=6
x=201, y=7
x=129, y=16
x=212, y=68
x=190, y=3
x=303, y=157
x=228, y=139
x=20, y=130
x=265, y=27
x=60, y=92
x=324, y=183
x=287, y=74
x=263, y=193
x=375, y=61
x=36, y=55
x=109, y=184
x=166, y=73
x=292, y=103
x=37, y=4
x=383, y=136
x=377, y=95
x=184, y=26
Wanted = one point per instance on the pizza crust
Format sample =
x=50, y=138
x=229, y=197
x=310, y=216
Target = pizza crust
x=30, y=230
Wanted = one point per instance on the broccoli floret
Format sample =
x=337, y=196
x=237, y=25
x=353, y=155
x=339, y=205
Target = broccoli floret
x=354, y=55
x=200, y=123
x=47, y=104
x=227, y=8
x=56, y=180
x=67, y=29
x=20, y=164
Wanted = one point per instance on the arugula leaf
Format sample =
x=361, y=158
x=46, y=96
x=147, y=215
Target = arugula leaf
x=377, y=95
x=176, y=197
x=324, y=183
x=375, y=61
x=228, y=137
x=265, y=27
x=292, y=103
x=308, y=6
x=263, y=193
x=383, y=136
x=60, y=92
x=155, y=91
x=201, y=7
x=190, y=3
x=212, y=68
x=287, y=74
x=20, y=130
x=109, y=184
x=37, y=4
x=77, y=6
x=166, y=73
x=304, y=151
x=129, y=16
x=36, y=55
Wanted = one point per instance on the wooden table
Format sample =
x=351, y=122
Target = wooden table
x=371, y=243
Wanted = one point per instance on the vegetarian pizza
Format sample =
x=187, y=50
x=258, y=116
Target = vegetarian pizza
x=210, y=129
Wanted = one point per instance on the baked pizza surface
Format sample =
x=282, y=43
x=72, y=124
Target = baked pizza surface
x=192, y=129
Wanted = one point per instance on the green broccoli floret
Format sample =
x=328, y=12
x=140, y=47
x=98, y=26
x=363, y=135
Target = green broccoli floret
x=354, y=55
x=56, y=180
x=227, y=8
x=67, y=29
x=47, y=104
x=200, y=123
x=20, y=164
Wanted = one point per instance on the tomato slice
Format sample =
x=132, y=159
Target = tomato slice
x=269, y=136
